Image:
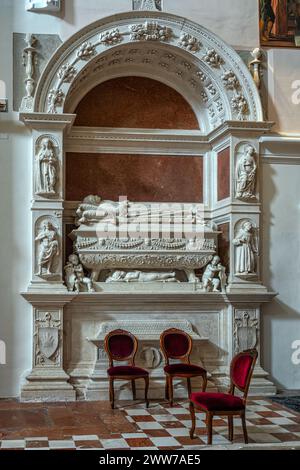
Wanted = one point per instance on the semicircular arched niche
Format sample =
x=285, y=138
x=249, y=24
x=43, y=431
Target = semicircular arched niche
x=208, y=73
x=135, y=102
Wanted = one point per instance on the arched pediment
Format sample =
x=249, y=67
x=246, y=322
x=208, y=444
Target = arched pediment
x=208, y=73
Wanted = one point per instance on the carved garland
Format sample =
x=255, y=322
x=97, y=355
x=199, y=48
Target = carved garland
x=150, y=31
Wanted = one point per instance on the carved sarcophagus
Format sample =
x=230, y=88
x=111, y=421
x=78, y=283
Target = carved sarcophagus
x=126, y=242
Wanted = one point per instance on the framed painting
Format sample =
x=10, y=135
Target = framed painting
x=279, y=23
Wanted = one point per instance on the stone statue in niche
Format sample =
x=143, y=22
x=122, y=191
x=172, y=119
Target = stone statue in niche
x=75, y=277
x=245, y=249
x=46, y=169
x=48, y=249
x=214, y=277
x=140, y=276
x=246, y=170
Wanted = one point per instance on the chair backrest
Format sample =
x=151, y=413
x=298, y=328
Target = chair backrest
x=241, y=370
x=120, y=345
x=176, y=344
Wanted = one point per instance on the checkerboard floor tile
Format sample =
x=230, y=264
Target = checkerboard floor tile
x=158, y=427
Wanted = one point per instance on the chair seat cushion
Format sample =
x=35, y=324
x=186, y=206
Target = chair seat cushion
x=217, y=401
x=127, y=370
x=184, y=369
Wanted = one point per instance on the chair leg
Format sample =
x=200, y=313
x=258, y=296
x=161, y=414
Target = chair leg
x=209, y=419
x=204, y=384
x=189, y=387
x=146, y=391
x=133, y=389
x=111, y=393
x=170, y=379
x=167, y=389
x=230, y=428
x=243, y=417
x=193, y=418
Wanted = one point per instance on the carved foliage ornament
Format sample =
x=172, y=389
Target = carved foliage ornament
x=189, y=43
x=146, y=5
x=109, y=38
x=150, y=31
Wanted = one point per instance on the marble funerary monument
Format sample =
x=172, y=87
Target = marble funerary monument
x=96, y=265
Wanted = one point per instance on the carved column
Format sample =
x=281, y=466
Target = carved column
x=46, y=291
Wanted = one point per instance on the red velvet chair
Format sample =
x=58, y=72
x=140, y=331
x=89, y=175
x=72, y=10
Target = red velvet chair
x=177, y=344
x=227, y=404
x=120, y=346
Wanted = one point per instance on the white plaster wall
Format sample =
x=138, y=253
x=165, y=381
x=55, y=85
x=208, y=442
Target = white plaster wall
x=281, y=271
x=283, y=82
x=236, y=22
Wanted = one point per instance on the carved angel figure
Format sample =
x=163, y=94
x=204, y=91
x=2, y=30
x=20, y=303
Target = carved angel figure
x=140, y=276
x=49, y=248
x=46, y=168
x=246, y=175
x=75, y=277
x=209, y=280
x=246, y=249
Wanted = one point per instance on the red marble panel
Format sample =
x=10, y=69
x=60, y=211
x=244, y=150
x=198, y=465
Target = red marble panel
x=224, y=245
x=224, y=174
x=135, y=102
x=139, y=177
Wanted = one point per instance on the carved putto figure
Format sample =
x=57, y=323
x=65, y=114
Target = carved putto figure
x=246, y=175
x=209, y=280
x=46, y=169
x=49, y=248
x=75, y=277
x=246, y=249
x=140, y=276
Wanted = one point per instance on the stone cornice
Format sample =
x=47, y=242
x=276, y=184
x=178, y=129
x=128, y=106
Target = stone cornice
x=184, y=301
x=43, y=121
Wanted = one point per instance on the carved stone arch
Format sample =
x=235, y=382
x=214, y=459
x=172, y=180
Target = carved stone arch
x=215, y=69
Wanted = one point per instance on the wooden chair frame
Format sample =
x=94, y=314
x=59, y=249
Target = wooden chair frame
x=242, y=413
x=185, y=360
x=131, y=359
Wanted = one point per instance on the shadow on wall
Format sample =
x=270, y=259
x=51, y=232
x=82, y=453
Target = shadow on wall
x=15, y=319
x=279, y=272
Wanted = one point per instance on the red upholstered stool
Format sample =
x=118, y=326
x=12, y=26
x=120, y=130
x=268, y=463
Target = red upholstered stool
x=121, y=345
x=177, y=344
x=227, y=404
